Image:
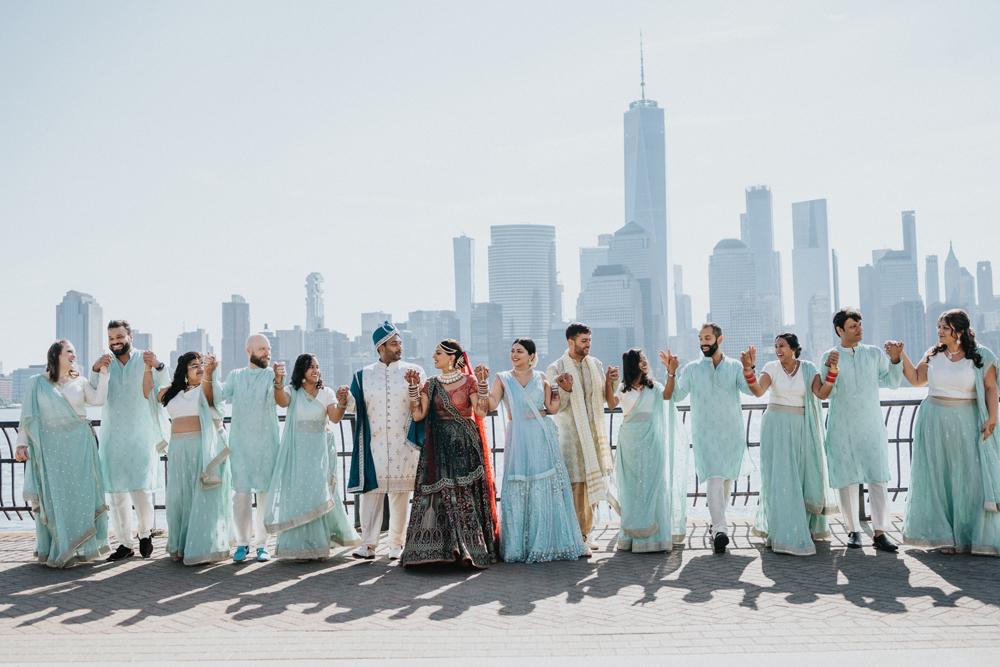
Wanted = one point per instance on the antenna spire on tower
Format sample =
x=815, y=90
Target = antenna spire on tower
x=642, y=70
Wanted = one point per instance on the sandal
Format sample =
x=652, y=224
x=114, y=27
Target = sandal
x=948, y=551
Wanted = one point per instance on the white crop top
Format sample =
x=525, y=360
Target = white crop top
x=325, y=396
x=79, y=394
x=184, y=404
x=784, y=390
x=627, y=399
x=950, y=379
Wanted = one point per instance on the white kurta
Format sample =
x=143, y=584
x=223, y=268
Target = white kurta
x=388, y=404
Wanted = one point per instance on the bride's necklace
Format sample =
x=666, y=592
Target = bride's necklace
x=795, y=370
x=454, y=376
x=514, y=370
x=948, y=353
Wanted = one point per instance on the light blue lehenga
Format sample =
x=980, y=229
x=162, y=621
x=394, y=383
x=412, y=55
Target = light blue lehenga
x=303, y=501
x=795, y=495
x=62, y=479
x=650, y=475
x=199, y=487
x=537, y=518
x=955, y=474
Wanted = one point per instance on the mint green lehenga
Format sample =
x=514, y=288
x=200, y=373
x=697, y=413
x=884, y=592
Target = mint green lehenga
x=62, y=480
x=650, y=475
x=955, y=474
x=795, y=496
x=303, y=501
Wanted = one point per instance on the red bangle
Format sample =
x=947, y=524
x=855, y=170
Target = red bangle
x=751, y=379
x=831, y=378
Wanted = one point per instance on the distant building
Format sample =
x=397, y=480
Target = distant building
x=631, y=247
x=835, y=266
x=464, y=250
x=287, y=345
x=6, y=388
x=987, y=300
x=932, y=284
x=142, y=341
x=733, y=296
x=757, y=233
x=192, y=341
x=959, y=286
x=685, y=344
x=314, y=301
x=332, y=350
x=811, y=276
x=488, y=343
x=613, y=300
x=235, y=331
x=372, y=321
x=430, y=327
x=80, y=320
x=891, y=279
x=19, y=380
x=593, y=257
x=522, y=270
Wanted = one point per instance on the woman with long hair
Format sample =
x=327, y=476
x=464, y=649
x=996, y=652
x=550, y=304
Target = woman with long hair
x=650, y=473
x=454, y=515
x=537, y=518
x=795, y=496
x=199, y=482
x=955, y=470
x=62, y=481
x=303, y=501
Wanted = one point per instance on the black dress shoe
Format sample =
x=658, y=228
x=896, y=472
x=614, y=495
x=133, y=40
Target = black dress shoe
x=146, y=546
x=884, y=543
x=854, y=540
x=720, y=542
x=121, y=553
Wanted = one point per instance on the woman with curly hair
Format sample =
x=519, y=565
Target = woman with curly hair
x=650, y=473
x=199, y=482
x=454, y=515
x=63, y=482
x=537, y=518
x=955, y=471
x=303, y=501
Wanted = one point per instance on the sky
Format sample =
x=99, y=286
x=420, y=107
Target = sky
x=163, y=156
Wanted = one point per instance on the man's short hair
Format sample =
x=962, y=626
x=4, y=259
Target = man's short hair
x=716, y=329
x=575, y=329
x=114, y=324
x=841, y=316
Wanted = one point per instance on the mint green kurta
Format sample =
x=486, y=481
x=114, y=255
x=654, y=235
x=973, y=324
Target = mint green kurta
x=717, y=430
x=253, y=434
x=130, y=436
x=857, y=443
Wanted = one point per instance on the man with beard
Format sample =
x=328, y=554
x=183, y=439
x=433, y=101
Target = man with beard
x=857, y=443
x=130, y=439
x=720, y=445
x=584, y=388
x=253, y=437
x=386, y=441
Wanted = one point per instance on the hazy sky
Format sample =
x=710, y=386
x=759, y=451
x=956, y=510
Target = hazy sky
x=163, y=156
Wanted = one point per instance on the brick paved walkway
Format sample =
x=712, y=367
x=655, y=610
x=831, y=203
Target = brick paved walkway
x=691, y=601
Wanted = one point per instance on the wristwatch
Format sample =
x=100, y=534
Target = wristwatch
x=160, y=367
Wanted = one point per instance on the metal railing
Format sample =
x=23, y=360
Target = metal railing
x=899, y=415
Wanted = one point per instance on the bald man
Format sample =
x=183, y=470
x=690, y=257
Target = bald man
x=253, y=438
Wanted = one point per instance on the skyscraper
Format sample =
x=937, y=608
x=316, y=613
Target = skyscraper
x=235, y=331
x=488, y=345
x=952, y=278
x=686, y=344
x=332, y=350
x=522, y=270
x=910, y=234
x=733, y=295
x=314, y=301
x=372, y=321
x=758, y=235
x=288, y=344
x=932, y=284
x=593, y=257
x=984, y=287
x=141, y=341
x=630, y=247
x=835, y=266
x=613, y=300
x=465, y=288
x=80, y=320
x=190, y=341
x=646, y=195
x=811, y=276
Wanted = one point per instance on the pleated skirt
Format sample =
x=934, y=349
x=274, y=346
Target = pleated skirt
x=199, y=521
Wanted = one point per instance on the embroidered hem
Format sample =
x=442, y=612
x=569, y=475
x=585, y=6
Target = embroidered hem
x=645, y=547
x=641, y=532
x=300, y=520
x=465, y=480
x=322, y=552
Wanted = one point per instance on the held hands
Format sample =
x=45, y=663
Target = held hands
x=149, y=358
x=565, y=382
x=988, y=428
x=210, y=363
x=279, y=372
x=342, y=394
x=482, y=373
x=749, y=358
x=670, y=361
x=832, y=359
x=894, y=349
x=611, y=375
x=412, y=378
x=103, y=362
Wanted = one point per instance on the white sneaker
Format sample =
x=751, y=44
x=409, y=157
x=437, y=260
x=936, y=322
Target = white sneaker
x=395, y=553
x=588, y=553
x=365, y=552
x=591, y=543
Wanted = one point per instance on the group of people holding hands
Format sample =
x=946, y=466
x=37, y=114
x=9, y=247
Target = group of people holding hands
x=425, y=437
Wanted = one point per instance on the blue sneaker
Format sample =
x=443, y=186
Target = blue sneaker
x=241, y=554
x=262, y=555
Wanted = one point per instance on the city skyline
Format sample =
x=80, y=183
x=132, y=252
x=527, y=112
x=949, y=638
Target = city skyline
x=241, y=162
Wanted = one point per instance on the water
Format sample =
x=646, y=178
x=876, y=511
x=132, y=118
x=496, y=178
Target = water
x=698, y=511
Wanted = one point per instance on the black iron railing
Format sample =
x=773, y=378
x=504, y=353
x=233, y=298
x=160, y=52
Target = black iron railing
x=900, y=416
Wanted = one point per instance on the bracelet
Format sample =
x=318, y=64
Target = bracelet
x=831, y=378
x=414, y=393
x=750, y=379
x=671, y=376
x=341, y=407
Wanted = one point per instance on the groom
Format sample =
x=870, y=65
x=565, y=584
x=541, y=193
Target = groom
x=584, y=388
